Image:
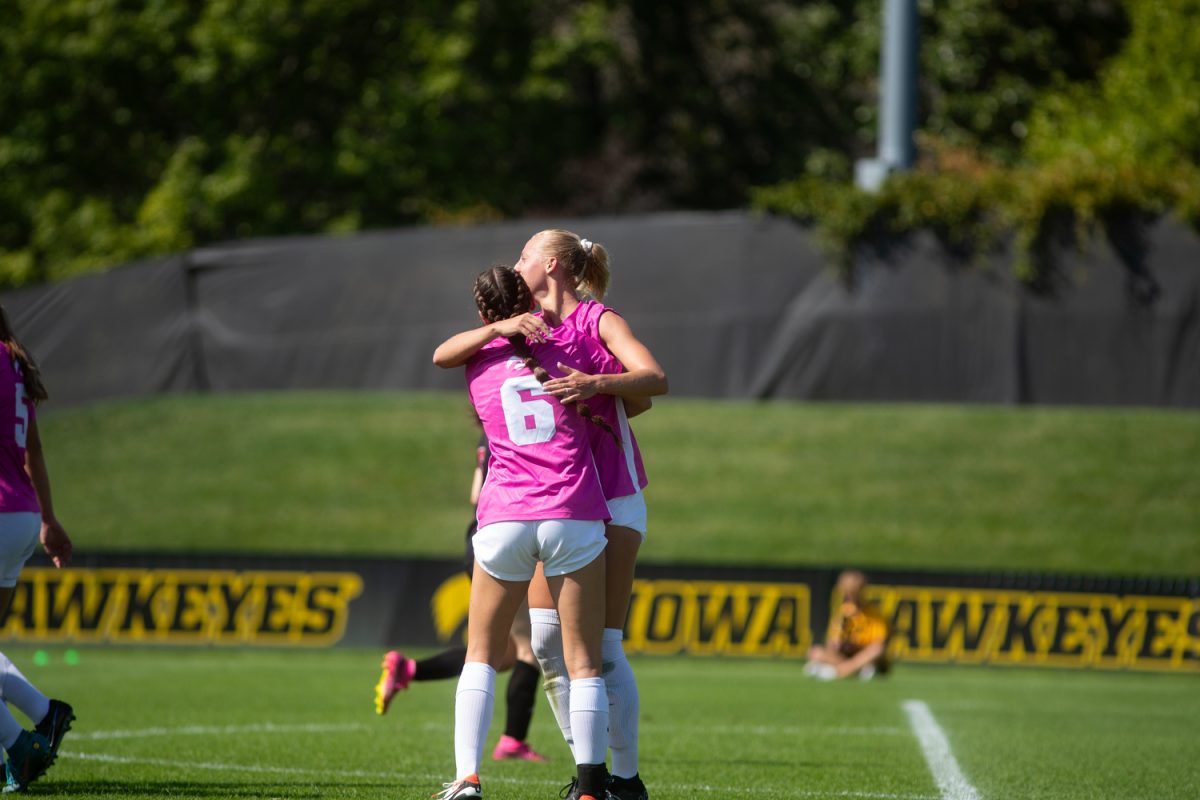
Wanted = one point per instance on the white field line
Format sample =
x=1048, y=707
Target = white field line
x=225, y=767
x=946, y=773
x=214, y=730
x=228, y=768
x=268, y=727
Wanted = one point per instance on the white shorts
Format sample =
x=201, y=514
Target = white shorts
x=19, y=535
x=629, y=512
x=509, y=551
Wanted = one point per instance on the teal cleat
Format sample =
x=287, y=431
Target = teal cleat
x=28, y=759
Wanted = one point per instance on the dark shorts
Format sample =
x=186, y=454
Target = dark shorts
x=469, y=558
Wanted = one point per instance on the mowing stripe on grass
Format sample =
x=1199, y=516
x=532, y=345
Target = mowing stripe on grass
x=794, y=730
x=358, y=773
x=227, y=767
x=946, y=773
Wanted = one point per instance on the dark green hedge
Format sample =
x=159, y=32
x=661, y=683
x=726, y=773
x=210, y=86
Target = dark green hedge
x=129, y=129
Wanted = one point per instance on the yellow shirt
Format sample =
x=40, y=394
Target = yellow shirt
x=855, y=627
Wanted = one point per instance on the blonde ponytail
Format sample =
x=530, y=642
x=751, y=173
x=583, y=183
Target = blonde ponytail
x=586, y=261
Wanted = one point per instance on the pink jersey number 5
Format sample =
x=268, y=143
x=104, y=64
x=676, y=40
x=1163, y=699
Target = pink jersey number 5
x=21, y=428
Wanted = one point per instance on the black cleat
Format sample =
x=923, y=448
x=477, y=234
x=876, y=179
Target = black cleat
x=626, y=788
x=56, y=723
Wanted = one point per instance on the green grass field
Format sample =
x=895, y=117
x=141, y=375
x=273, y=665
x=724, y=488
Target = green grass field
x=275, y=724
x=1103, y=491
x=1107, y=491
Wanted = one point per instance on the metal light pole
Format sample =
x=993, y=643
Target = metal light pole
x=898, y=96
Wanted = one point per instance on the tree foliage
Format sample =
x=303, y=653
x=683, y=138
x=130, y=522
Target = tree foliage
x=1103, y=150
x=132, y=129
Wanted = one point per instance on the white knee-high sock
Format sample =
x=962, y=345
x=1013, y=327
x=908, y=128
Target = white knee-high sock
x=589, y=720
x=624, y=704
x=16, y=689
x=546, y=640
x=473, y=704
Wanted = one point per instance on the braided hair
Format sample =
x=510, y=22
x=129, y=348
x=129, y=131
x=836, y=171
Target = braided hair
x=35, y=390
x=500, y=293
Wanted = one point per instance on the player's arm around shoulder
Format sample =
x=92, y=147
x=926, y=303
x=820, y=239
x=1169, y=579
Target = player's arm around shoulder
x=458, y=349
x=643, y=376
x=636, y=405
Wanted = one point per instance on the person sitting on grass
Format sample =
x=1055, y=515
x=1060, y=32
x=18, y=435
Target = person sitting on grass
x=856, y=643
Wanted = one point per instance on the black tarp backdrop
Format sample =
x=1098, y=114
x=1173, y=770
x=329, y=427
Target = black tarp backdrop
x=1120, y=325
x=733, y=305
x=125, y=333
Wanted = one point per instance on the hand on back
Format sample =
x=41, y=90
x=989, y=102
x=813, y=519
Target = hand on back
x=528, y=325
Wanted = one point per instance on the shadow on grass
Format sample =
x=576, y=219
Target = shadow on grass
x=185, y=789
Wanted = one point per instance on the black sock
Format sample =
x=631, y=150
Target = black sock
x=593, y=779
x=446, y=664
x=522, y=694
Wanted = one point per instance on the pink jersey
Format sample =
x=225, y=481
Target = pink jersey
x=621, y=470
x=16, y=415
x=541, y=465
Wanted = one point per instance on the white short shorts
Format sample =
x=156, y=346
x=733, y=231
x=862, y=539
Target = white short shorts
x=19, y=535
x=509, y=551
x=629, y=512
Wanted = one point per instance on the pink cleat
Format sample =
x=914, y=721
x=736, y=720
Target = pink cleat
x=397, y=673
x=509, y=748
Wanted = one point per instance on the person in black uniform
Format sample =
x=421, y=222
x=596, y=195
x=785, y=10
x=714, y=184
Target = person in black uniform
x=399, y=670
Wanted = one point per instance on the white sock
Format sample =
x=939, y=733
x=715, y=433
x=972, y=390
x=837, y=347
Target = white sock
x=473, y=703
x=10, y=729
x=15, y=688
x=624, y=704
x=589, y=720
x=546, y=639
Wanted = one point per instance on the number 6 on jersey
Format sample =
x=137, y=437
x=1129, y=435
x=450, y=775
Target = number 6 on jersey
x=518, y=411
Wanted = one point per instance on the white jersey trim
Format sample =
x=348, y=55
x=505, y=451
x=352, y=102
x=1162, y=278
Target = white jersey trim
x=627, y=443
